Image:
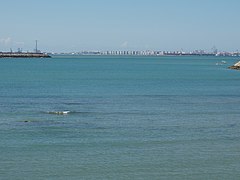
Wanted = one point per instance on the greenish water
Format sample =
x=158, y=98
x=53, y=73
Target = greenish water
x=130, y=118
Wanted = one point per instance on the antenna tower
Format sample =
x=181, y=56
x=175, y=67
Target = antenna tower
x=36, y=46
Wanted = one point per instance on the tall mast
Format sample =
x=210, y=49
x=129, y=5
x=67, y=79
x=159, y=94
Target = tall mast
x=36, y=46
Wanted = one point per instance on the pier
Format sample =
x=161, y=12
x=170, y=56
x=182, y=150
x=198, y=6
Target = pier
x=23, y=55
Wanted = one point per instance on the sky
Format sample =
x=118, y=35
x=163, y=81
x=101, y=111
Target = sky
x=77, y=25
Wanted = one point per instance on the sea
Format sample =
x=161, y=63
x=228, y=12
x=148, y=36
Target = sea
x=119, y=117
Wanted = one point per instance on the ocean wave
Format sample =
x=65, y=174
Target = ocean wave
x=59, y=112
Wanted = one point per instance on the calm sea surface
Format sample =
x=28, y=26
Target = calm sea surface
x=130, y=118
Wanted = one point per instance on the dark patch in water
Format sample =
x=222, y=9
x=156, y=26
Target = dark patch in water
x=74, y=103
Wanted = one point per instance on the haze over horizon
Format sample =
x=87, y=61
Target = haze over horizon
x=64, y=26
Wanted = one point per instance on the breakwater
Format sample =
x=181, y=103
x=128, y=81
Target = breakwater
x=23, y=55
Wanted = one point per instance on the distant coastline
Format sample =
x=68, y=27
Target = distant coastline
x=23, y=55
x=149, y=53
x=39, y=54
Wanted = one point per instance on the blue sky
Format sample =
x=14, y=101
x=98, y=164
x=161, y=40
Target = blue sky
x=75, y=25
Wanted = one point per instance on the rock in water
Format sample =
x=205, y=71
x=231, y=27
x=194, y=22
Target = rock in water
x=235, y=66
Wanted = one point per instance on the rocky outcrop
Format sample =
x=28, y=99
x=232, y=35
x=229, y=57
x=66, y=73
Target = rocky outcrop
x=235, y=66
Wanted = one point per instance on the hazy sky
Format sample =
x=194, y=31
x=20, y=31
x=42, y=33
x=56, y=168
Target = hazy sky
x=75, y=25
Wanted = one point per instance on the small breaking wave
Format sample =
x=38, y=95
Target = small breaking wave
x=59, y=112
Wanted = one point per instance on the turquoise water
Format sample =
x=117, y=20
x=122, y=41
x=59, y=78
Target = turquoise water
x=130, y=118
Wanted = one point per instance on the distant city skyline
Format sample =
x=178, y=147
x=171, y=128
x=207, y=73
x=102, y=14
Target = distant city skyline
x=72, y=26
